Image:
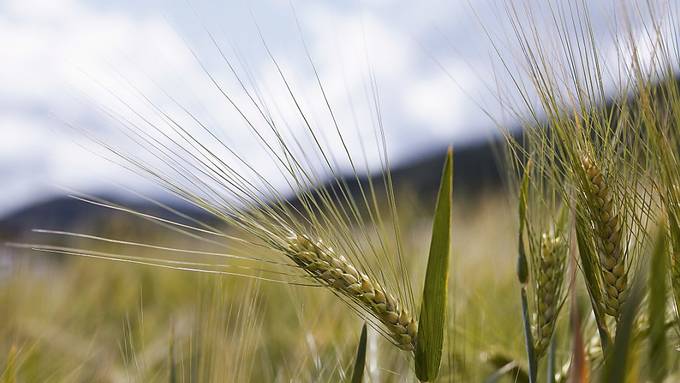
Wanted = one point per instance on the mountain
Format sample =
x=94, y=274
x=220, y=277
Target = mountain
x=476, y=170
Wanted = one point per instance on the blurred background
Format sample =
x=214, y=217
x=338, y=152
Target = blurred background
x=427, y=74
x=435, y=64
x=63, y=61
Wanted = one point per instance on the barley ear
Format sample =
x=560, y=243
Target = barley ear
x=337, y=273
x=430, y=339
x=607, y=225
x=360, y=359
x=549, y=279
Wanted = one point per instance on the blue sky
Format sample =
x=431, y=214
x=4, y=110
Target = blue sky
x=66, y=63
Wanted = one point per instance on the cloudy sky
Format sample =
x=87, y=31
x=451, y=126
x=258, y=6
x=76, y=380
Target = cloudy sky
x=69, y=66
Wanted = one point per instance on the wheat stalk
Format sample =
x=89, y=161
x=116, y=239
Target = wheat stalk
x=337, y=273
x=608, y=231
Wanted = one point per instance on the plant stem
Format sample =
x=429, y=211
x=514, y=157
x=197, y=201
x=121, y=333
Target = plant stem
x=551, y=360
x=528, y=338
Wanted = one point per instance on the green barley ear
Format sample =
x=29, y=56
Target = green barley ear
x=360, y=359
x=549, y=280
x=607, y=225
x=432, y=318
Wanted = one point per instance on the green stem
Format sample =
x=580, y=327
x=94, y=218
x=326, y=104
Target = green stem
x=360, y=361
x=531, y=354
x=551, y=359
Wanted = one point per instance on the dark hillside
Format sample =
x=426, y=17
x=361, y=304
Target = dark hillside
x=476, y=169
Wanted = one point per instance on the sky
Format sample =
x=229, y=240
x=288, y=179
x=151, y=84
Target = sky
x=68, y=66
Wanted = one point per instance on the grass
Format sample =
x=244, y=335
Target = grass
x=287, y=335
x=270, y=288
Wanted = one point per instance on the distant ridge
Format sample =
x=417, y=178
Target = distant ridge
x=476, y=170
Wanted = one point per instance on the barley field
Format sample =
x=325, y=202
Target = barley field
x=326, y=263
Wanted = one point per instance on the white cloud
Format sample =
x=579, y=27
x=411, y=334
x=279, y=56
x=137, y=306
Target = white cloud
x=71, y=57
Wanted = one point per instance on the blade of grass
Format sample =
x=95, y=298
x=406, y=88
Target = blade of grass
x=657, y=308
x=360, y=360
x=523, y=277
x=522, y=264
x=531, y=354
x=616, y=363
x=433, y=310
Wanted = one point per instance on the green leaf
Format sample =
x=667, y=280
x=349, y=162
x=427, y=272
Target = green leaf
x=522, y=264
x=432, y=318
x=528, y=338
x=616, y=363
x=360, y=360
x=523, y=272
x=657, y=307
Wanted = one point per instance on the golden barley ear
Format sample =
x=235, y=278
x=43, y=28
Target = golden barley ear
x=430, y=339
x=336, y=272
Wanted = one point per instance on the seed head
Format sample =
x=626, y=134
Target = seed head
x=548, y=288
x=608, y=232
x=337, y=273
